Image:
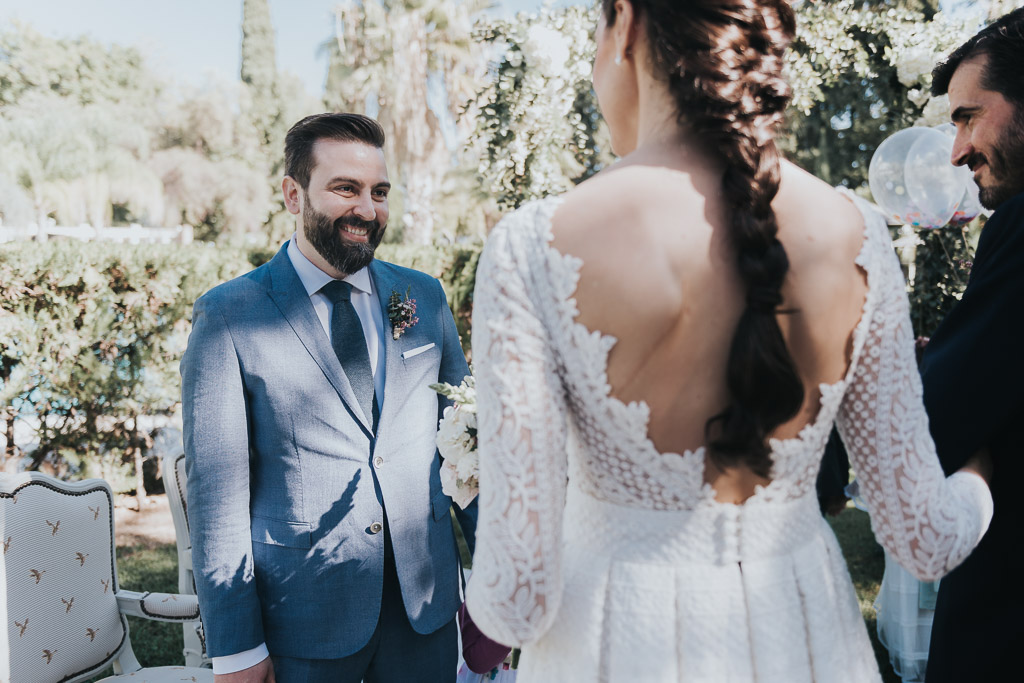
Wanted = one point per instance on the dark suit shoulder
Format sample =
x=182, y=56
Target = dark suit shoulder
x=1004, y=228
x=1012, y=207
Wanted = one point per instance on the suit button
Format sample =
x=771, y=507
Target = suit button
x=378, y=461
x=376, y=528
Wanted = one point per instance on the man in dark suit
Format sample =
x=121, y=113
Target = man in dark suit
x=973, y=367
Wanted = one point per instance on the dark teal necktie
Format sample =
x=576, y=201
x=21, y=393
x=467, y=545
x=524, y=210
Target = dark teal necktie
x=350, y=346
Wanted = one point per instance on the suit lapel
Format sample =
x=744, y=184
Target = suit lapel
x=287, y=292
x=384, y=283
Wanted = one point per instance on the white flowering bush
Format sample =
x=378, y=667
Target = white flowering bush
x=916, y=49
x=843, y=39
x=858, y=74
x=538, y=129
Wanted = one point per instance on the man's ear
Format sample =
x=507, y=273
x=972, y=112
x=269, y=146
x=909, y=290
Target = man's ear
x=292, y=192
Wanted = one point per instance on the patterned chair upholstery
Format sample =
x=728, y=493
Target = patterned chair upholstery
x=63, y=608
x=176, y=485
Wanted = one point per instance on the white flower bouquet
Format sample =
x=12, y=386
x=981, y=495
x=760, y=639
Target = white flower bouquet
x=456, y=441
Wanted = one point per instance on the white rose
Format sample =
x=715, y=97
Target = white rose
x=936, y=112
x=453, y=437
x=461, y=495
x=468, y=467
x=546, y=50
x=449, y=480
x=918, y=96
x=913, y=63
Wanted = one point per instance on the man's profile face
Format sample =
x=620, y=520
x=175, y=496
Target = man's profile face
x=345, y=207
x=989, y=134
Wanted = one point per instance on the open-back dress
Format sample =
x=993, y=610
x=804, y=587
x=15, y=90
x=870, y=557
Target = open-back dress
x=607, y=560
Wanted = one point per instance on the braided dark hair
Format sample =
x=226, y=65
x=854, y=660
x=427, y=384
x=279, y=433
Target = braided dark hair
x=722, y=60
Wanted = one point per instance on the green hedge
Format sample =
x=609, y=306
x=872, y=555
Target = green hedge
x=91, y=336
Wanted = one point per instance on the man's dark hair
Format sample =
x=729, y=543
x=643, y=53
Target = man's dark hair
x=1003, y=43
x=299, y=142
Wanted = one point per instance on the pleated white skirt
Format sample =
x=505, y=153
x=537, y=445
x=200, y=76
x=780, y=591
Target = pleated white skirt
x=720, y=594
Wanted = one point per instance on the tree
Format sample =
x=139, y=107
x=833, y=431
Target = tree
x=81, y=69
x=416, y=64
x=75, y=160
x=259, y=73
x=74, y=128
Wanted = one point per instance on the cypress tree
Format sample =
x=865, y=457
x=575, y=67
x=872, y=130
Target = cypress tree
x=259, y=72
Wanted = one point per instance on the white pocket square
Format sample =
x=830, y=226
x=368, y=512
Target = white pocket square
x=406, y=355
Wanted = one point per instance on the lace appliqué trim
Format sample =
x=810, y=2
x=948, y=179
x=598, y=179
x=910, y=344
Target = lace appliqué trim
x=608, y=426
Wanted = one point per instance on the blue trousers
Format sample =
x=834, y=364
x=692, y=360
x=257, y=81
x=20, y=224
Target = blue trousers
x=395, y=653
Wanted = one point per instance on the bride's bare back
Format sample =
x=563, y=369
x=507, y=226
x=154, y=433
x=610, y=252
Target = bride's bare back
x=660, y=276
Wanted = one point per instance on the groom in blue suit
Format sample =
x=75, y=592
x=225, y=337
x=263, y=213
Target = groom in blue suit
x=322, y=542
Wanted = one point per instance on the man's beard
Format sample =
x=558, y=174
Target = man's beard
x=1005, y=164
x=326, y=236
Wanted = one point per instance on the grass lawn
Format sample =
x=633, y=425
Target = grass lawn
x=160, y=644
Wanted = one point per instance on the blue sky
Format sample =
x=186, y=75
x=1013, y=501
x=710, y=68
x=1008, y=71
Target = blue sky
x=187, y=39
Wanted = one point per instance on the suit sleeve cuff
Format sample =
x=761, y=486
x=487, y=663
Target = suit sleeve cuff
x=229, y=664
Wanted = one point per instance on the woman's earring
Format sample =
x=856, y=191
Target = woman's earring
x=618, y=60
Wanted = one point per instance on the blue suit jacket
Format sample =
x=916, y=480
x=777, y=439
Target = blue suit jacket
x=286, y=477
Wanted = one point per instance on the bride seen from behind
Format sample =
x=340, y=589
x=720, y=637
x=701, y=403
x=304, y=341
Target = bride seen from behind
x=660, y=356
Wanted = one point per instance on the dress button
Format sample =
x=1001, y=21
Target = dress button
x=376, y=528
x=378, y=461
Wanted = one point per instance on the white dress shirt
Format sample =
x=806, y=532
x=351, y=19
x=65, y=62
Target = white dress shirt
x=364, y=300
x=367, y=305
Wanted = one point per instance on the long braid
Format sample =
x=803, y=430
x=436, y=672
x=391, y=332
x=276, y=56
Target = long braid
x=723, y=63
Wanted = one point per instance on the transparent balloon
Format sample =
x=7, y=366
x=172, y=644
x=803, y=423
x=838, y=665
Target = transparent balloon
x=933, y=183
x=913, y=181
x=970, y=204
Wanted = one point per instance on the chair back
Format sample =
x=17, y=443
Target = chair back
x=57, y=579
x=176, y=485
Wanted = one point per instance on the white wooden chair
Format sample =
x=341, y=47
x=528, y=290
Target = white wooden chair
x=176, y=486
x=62, y=607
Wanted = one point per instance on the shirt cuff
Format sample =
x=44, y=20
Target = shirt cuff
x=229, y=664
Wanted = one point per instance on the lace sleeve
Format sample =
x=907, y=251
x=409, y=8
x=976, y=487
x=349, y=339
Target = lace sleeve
x=516, y=586
x=928, y=522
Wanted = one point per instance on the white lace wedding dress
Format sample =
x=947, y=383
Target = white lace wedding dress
x=609, y=561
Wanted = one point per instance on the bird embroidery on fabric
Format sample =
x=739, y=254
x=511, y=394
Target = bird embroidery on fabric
x=95, y=511
x=69, y=603
x=91, y=632
x=173, y=598
x=54, y=527
x=81, y=558
x=48, y=655
x=37, y=574
x=22, y=626
x=106, y=585
x=7, y=545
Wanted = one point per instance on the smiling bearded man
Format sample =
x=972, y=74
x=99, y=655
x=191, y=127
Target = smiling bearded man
x=322, y=542
x=973, y=367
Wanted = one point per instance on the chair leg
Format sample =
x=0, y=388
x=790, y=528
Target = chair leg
x=194, y=650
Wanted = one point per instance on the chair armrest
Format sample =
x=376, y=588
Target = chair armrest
x=159, y=606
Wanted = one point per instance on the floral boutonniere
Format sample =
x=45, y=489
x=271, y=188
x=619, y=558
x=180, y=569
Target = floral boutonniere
x=401, y=313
